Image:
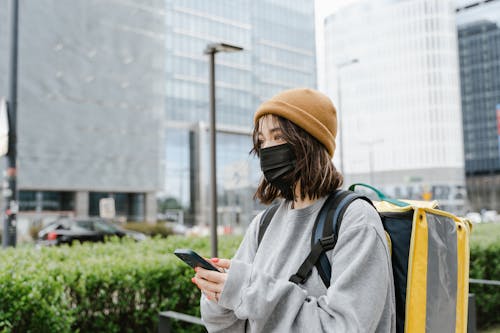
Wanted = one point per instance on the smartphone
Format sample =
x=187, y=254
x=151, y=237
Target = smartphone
x=193, y=259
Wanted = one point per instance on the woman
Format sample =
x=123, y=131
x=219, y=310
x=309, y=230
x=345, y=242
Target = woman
x=294, y=137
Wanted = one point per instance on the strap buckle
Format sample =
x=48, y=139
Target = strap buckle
x=298, y=279
x=327, y=243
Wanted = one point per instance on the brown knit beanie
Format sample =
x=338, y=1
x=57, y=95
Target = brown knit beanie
x=308, y=109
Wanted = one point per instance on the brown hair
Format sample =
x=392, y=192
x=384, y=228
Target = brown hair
x=314, y=169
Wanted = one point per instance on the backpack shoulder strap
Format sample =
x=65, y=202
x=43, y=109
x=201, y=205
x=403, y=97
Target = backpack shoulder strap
x=325, y=235
x=331, y=230
x=265, y=220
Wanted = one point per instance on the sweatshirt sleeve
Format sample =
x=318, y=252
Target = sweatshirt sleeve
x=354, y=302
x=218, y=318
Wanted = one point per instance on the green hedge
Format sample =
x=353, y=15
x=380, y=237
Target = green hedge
x=111, y=287
x=485, y=264
x=121, y=286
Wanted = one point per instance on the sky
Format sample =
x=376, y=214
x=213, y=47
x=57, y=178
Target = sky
x=323, y=9
x=490, y=12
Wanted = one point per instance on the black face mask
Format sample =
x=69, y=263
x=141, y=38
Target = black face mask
x=276, y=163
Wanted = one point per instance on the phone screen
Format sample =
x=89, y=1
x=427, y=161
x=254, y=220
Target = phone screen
x=193, y=259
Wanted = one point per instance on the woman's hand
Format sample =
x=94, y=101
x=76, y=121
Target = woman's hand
x=209, y=282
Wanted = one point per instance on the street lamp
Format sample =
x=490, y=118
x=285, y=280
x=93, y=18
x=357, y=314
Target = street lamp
x=211, y=50
x=9, y=237
x=339, y=96
x=371, y=162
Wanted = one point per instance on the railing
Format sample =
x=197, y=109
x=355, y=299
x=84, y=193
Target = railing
x=471, y=318
x=165, y=322
x=490, y=282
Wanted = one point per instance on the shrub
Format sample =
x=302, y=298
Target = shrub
x=485, y=264
x=122, y=286
x=111, y=287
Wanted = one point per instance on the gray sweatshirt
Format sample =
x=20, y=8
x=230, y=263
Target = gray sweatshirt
x=257, y=296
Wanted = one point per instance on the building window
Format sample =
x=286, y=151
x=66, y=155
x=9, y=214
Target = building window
x=46, y=201
x=127, y=205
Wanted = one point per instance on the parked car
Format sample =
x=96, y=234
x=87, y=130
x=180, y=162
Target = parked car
x=177, y=228
x=489, y=215
x=67, y=230
x=474, y=217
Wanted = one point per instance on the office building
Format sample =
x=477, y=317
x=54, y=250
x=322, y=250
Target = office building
x=479, y=47
x=392, y=71
x=113, y=101
x=279, y=53
x=90, y=101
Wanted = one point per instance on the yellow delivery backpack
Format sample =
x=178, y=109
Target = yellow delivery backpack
x=429, y=252
x=430, y=258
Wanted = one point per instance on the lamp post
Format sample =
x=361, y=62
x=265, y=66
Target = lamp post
x=211, y=50
x=371, y=163
x=9, y=237
x=339, y=96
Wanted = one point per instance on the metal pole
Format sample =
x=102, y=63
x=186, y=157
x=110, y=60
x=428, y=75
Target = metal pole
x=213, y=159
x=9, y=237
x=371, y=158
x=371, y=165
x=341, y=111
x=341, y=120
x=211, y=50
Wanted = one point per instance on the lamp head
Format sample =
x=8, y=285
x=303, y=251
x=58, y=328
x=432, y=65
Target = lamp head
x=221, y=47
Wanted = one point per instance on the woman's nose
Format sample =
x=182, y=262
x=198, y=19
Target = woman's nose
x=264, y=144
x=269, y=143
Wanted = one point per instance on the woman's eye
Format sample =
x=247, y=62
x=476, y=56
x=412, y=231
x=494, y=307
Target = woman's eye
x=279, y=137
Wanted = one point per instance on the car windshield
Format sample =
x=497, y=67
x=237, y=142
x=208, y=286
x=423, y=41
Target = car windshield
x=104, y=226
x=87, y=225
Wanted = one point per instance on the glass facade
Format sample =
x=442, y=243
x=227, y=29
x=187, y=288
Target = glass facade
x=279, y=53
x=480, y=81
x=479, y=47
